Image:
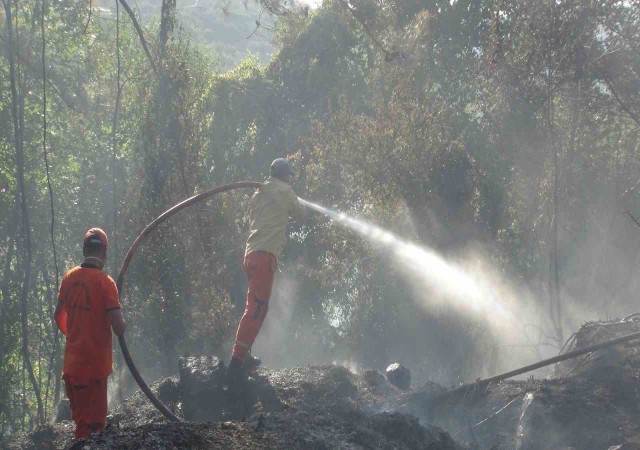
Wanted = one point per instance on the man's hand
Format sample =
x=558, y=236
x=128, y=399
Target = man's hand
x=117, y=321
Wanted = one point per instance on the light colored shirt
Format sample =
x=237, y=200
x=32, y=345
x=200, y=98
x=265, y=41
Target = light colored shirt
x=269, y=211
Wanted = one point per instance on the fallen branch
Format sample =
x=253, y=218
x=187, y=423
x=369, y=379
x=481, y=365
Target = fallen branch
x=546, y=362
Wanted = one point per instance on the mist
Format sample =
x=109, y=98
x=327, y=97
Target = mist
x=467, y=288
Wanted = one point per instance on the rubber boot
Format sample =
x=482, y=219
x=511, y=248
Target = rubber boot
x=251, y=363
x=236, y=376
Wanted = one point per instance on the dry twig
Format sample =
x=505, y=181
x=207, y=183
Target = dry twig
x=633, y=218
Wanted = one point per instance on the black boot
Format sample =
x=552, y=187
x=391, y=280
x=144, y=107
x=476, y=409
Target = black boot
x=251, y=363
x=236, y=375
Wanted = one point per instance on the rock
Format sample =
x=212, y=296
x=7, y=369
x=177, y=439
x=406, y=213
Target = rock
x=399, y=376
x=114, y=419
x=373, y=378
x=201, y=382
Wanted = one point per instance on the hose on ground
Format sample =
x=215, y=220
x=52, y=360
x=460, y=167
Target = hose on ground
x=125, y=266
x=630, y=316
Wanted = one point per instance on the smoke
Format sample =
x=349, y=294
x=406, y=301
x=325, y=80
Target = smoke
x=468, y=287
x=117, y=385
x=290, y=336
x=275, y=333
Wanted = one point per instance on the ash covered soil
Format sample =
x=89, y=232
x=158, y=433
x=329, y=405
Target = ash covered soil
x=325, y=407
x=593, y=402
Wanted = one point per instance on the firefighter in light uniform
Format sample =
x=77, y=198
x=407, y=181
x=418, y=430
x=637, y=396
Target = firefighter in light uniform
x=269, y=209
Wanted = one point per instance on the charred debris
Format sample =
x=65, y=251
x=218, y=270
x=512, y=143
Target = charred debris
x=592, y=402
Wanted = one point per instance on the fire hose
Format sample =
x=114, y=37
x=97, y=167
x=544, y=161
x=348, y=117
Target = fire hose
x=125, y=266
x=253, y=184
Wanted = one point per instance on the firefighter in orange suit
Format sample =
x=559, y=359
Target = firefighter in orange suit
x=88, y=308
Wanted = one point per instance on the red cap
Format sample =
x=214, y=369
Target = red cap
x=95, y=236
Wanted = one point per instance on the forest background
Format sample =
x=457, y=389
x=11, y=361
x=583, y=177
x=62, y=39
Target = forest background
x=502, y=132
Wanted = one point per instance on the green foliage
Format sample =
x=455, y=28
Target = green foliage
x=448, y=137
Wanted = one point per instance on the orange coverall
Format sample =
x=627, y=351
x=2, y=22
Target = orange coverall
x=87, y=295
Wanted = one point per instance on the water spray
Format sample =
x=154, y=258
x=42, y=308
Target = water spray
x=429, y=268
x=462, y=288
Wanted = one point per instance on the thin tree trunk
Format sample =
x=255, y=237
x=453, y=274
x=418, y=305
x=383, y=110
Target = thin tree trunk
x=167, y=24
x=138, y=29
x=23, y=398
x=40, y=346
x=24, y=243
x=114, y=139
x=52, y=365
x=53, y=361
x=57, y=367
x=5, y=286
x=555, y=238
x=554, y=275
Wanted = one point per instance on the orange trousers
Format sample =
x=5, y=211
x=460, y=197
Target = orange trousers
x=88, y=399
x=260, y=268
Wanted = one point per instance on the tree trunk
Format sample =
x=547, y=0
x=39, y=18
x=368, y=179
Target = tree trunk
x=5, y=286
x=24, y=242
x=167, y=24
x=554, y=269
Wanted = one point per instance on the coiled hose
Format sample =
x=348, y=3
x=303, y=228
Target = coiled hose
x=125, y=266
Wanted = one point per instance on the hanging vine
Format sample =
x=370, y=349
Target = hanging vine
x=56, y=343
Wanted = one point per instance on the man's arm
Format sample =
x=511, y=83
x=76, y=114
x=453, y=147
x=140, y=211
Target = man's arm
x=116, y=319
x=60, y=317
x=112, y=306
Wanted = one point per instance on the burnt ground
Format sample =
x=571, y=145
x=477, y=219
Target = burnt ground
x=325, y=407
x=593, y=402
